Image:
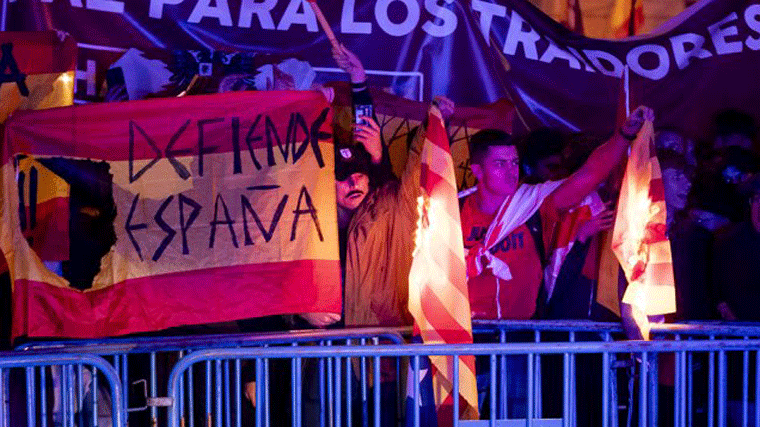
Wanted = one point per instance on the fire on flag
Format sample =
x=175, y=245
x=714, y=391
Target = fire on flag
x=438, y=298
x=639, y=239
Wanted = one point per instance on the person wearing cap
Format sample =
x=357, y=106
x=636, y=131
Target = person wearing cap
x=377, y=216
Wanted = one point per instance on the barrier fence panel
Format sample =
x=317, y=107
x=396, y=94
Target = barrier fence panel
x=596, y=382
x=38, y=389
x=711, y=387
x=143, y=363
x=351, y=365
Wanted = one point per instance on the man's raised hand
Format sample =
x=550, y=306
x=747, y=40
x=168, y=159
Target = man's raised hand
x=349, y=63
x=635, y=121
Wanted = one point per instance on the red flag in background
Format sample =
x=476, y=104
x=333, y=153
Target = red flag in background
x=438, y=298
x=568, y=13
x=627, y=18
x=36, y=71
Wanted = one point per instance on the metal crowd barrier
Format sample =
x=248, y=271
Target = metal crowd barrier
x=144, y=391
x=695, y=387
x=523, y=331
x=341, y=411
x=26, y=387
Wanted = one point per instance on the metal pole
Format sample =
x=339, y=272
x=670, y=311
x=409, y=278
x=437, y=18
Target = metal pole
x=5, y=15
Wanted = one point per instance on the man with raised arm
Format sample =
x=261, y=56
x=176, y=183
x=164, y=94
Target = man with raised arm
x=504, y=262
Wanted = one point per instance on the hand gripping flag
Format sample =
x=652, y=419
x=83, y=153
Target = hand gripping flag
x=438, y=298
x=639, y=239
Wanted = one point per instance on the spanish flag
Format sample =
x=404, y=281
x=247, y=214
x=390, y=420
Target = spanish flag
x=36, y=71
x=43, y=209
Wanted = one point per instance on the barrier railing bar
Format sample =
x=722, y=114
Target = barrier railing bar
x=745, y=387
x=504, y=401
x=227, y=385
x=265, y=391
x=67, y=405
x=643, y=376
x=416, y=380
x=711, y=389
x=376, y=391
x=109, y=346
x=606, y=384
x=31, y=411
x=218, y=392
x=566, y=390
x=687, y=409
x=349, y=390
x=722, y=388
x=536, y=380
x=530, y=410
x=153, y=392
x=43, y=398
x=455, y=390
x=330, y=391
x=10, y=360
x=757, y=389
x=338, y=393
x=209, y=410
x=238, y=394
x=3, y=397
x=80, y=394
x=492, y=391
x=191, y=398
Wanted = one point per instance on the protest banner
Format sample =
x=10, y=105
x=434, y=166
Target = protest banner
x=193, y=210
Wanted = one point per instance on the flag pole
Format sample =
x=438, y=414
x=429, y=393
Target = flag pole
x=324, y=24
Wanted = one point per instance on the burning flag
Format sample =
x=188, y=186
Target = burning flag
x=639, y=239
x=438, y=298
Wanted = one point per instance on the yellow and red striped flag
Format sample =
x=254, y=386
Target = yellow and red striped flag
x=438, y=298
x=627, y=18
x=568, y=13
x=639, y=239
x=36, y=71
x=43, y=209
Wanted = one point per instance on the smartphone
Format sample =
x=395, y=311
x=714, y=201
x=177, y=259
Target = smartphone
x=362, y=110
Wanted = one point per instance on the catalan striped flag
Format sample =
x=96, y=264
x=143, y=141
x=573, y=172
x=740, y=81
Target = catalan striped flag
x=639, y=239
x=438, y=298
x=627, y=18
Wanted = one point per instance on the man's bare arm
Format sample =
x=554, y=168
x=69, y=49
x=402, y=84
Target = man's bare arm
x=601, y=162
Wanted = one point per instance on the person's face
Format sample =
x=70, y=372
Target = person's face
x=499, y=172
x=677, y=186
x=352, y=190
x=670, y=140
x=733, y=139
x=754, y=204
x=550, y=168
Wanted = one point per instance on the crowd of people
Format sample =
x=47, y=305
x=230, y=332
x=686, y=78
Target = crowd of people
x=521, y=261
